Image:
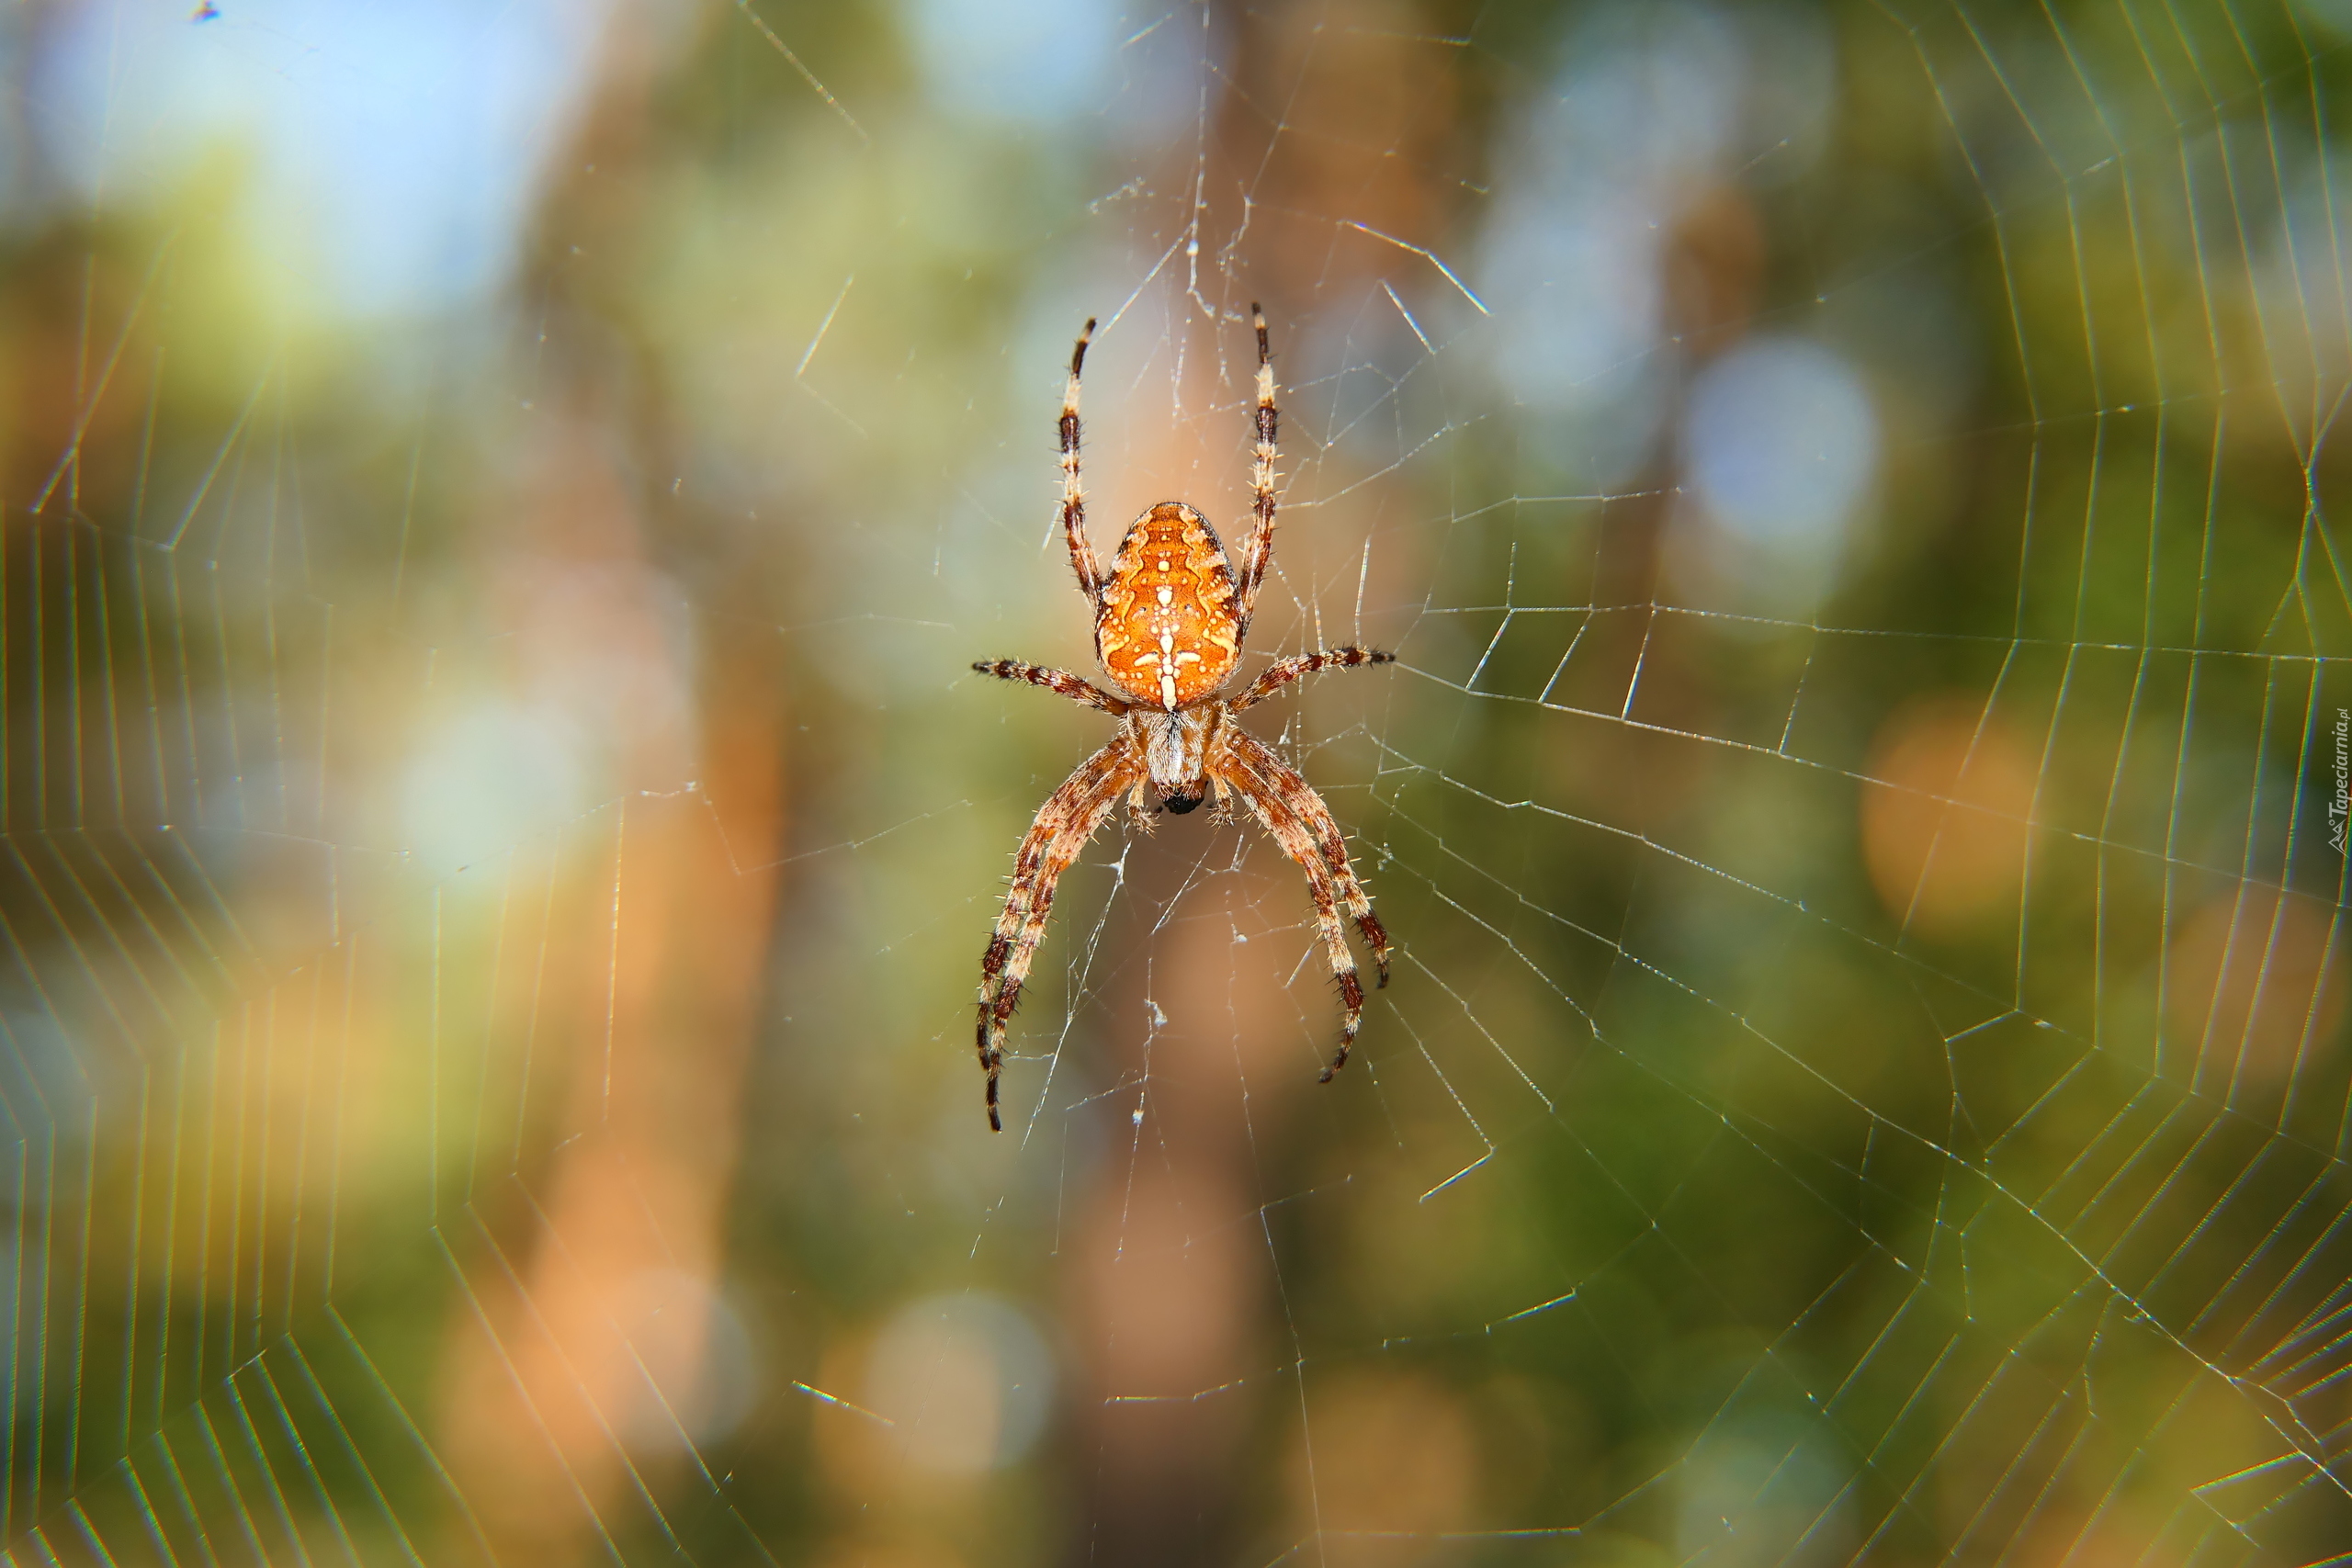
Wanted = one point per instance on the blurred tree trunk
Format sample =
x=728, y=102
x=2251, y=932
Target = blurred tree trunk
x=584, y=1340
x=1174, y=1286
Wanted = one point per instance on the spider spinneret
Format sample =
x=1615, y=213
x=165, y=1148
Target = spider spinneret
x=1170, y=623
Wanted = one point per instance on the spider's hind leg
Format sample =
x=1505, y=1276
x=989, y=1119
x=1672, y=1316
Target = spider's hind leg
x=1081, y=552
x=1257, y=552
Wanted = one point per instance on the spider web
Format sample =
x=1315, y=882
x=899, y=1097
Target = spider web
x=498, y=837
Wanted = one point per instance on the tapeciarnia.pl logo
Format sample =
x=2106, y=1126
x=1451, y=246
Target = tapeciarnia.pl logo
x=2339, y=811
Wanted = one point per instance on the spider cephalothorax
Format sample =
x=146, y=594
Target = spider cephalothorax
x=1170, y=622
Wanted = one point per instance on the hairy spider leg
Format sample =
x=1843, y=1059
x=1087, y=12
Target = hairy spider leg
x=1081, y=554
x=1062, y=683
x=1280, y=815
x=1054, y=841
x=1293, y=790
x=1259, y=551
x=1298, y=666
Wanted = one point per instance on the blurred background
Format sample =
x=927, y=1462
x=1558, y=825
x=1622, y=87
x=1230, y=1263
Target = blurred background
x=498, y=830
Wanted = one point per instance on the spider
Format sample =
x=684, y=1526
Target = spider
x=1170, y=620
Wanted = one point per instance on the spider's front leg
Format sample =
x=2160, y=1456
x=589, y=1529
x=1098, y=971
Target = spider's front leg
x=1054, y=841
x=1288, y=807
x=1288, y=786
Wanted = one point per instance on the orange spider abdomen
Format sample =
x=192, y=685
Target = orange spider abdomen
x=1166, y=632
